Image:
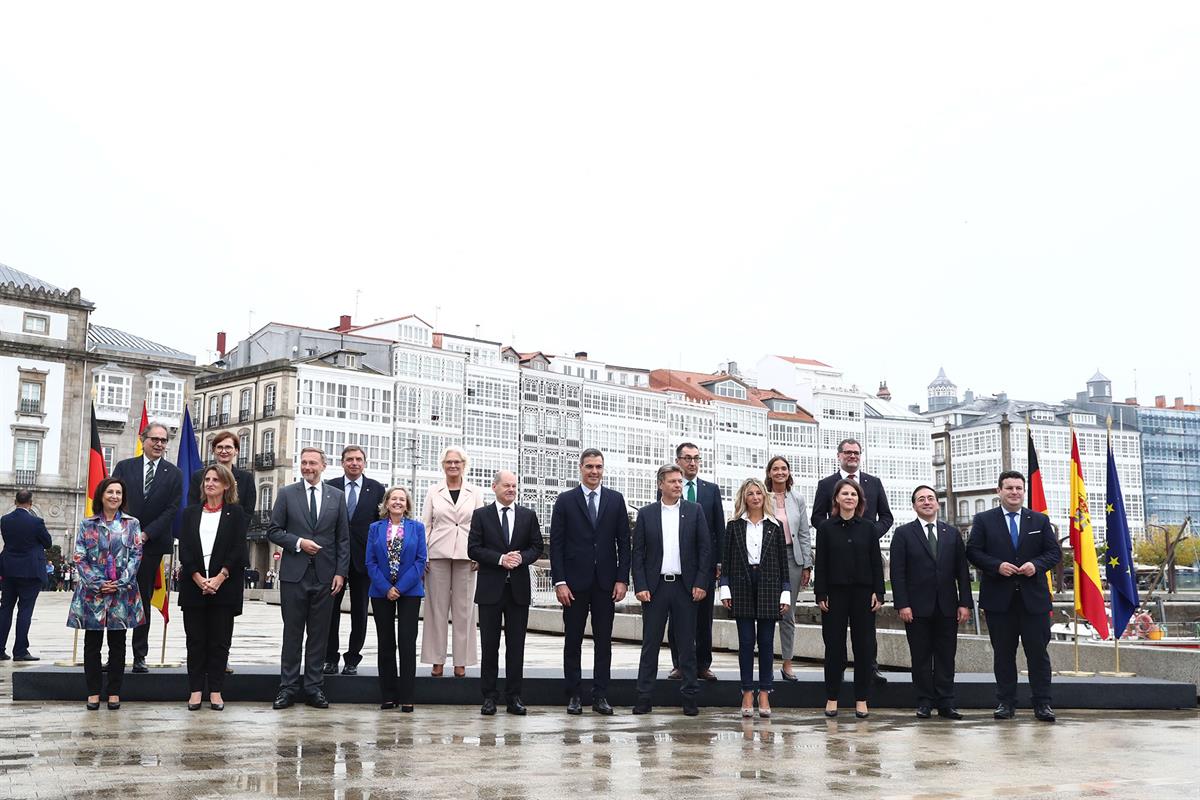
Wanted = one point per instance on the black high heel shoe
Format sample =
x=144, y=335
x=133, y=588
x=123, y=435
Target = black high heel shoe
x=194, y=706
x=216, y=706
x=93, y=706
x=831, y=714
x=113, y=706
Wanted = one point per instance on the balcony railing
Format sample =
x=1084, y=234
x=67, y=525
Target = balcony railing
x=212, y=420
x=243, y=462
x=268, y=411
x=263, y=517
x=244, y=415
x=939, y=460
x=224, y=419
x=25, y=477
x=264, y=461
x=31, y=406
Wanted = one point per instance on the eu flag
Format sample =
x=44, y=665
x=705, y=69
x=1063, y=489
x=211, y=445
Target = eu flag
x=188, y=462
x=1118, y=561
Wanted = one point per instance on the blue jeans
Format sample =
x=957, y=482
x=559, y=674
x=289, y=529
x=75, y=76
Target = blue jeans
x=762, y=633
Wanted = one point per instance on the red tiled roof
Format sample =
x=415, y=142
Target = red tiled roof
x=808, y=362
x=690, y=384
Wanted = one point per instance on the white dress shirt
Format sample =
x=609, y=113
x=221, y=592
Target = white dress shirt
x=754, y=540
x=320, y=487
x=671, y=564
x=209, y=522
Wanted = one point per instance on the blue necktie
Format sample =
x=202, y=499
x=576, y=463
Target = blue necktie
x=352, y=500
x=1012, y=528
x=592, y=507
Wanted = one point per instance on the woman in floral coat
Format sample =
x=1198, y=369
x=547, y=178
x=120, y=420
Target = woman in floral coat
x=108, y=550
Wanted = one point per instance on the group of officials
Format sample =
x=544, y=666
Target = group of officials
x=463, y=556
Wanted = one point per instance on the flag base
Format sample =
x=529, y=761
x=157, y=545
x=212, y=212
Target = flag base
x=68, y=662
x=1074, y=673
x=1108, y=674
x=173, y=664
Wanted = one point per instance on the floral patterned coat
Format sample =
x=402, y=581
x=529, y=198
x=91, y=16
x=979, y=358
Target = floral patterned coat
x=106, y=551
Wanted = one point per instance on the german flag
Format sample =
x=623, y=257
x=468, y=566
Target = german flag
x=1036, y=494
x=96, y=469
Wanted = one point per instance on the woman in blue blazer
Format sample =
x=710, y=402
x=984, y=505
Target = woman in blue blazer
x=396, y=558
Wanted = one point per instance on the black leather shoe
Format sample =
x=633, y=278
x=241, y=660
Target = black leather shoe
x=515, y=706
x=691, y=710
x=387, y=705
x=114, y=706
x=317, y=700
x=831, y=714
x=950, y=712
x=675, y=674
x=26, y=657
x=330, y=668
x=1044, y=713
x=600, y=706
x=488, y=708
x=216, y=706
x=93, y=706
x=707, y=675
x=861, y=714
x=406, y=709
x=350, y=669
x=194, y=706
x=1004, y=711
x=283, y=700
x=643, y=707
x=878, y=678
x=790, y=677
x=924, y=712
x=139, y=666
x=575, y=705
x=4, y=656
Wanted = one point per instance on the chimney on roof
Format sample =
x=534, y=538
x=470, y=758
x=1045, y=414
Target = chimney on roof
x=1179, y=403
x=968, y=396
x=1131, y=401
x=221, y=344
x=1002, y=397
x=343, y=324
x=437, y=341
x=1160, y=401
x=581, y=355
x=884, y=393
x=915, y=408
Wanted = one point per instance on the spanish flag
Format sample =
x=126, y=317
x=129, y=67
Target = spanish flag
x=97, y=471
x=159, y=598
x=1089, y=599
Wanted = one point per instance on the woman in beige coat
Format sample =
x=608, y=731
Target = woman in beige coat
x=450, y=575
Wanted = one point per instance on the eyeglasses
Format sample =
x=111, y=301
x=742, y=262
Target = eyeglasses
x=855, y=453
x=449, y=463
x=156, y=439
x=221, y=446
x=689, y=458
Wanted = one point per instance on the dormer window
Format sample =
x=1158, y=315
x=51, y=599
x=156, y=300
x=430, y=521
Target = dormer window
x=730, y=389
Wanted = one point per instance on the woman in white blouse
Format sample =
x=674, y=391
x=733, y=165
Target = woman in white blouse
x=789, y=508
x=755, y=588
x=212, y=561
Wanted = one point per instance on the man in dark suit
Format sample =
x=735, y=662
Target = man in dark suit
x=589, y=565
x=309, y=523
x=504, y=540
x=876, y=509
x=672, y=571
x=931, y=588
x=363, y=497
x=23, y=567
x=225, y=450
x=1012, y=547
x=154, y=488
x=708, y=495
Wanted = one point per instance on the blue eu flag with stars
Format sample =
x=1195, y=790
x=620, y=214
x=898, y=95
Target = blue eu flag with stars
x=1118, y=558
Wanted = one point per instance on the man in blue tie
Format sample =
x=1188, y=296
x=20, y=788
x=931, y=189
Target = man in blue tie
x=1013, y=547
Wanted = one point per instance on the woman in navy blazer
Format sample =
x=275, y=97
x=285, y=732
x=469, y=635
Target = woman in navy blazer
x=396, y=558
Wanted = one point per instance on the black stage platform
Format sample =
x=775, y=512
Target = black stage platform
x=544, y=686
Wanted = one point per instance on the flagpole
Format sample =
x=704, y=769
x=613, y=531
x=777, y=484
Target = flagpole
x=1116, y=673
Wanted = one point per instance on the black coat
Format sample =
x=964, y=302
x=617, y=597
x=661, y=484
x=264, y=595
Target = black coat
x=920, y=583
x=229, y=551
x=366, y=511
x=485, y=545
x=156, y=510
x=847, y=555
x=772, y=571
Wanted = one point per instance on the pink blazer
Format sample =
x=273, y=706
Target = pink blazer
x=447, y=523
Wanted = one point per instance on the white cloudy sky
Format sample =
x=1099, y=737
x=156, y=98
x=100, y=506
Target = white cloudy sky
x=1009, y=191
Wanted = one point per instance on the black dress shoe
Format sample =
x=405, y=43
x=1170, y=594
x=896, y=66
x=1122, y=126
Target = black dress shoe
x=878, y=678
x=283, y=700
x=924, y=712
x=406, y=709
x=600, y=706
x=950, y=712
x=26, y=657
x=330, y=668
x=790, y=677
x=4, y=656
x=1004, y=711
x=93, y=706
x=643, y=707
x=675, y=675
x=831, y=714
x=216, y=706
x=1044, y=713
x=575, y=705
x=194, y=706
x=488, y=708
x=139, y=666
x=350, y=669
x=317, y=700
x=515, y=706
x=387, y=704
x=691, y=710
x=861, y=714
x=114, y=706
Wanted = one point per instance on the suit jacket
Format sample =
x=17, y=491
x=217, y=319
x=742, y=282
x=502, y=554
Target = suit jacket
x=156, y=510
x=25, y=542
x=708, y=497
x=447, y=523
x=923, y=584
x=749, y=603
x=798, y=524
x=247, y=494
x=485, y=545
x=847, y=555
x=695, y=542
x=581, y=553
x=366, y=513
x=290, y=524
x=876, y=509
x=990, y=544
x=229, y=551
x=410, y=569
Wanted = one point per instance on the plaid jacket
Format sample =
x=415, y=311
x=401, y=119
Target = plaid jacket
x=772, y=575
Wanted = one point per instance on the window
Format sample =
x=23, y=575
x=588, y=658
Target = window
x=730, y=389
x=114, y=391
x=269, y=393
x=164, y=395
x=266, y=498
x=38, y=324
x=268, y=441
x=109, y=453
x=247, y=400
x=26, y=455
x=33, y=388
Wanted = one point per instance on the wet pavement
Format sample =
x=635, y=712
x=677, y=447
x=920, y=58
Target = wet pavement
x=162, y=751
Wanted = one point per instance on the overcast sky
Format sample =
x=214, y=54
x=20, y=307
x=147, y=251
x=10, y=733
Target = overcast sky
x=1010, y=191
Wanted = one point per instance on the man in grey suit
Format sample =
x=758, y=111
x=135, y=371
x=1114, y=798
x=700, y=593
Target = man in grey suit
x=309, y=522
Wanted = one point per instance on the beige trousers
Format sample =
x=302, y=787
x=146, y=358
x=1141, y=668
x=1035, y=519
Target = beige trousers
x=449, y=595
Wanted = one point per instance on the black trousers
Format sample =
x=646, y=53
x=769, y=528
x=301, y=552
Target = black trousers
x=357, y=584
x=932, y=643
x=848, y=604
x=599, y=603
x=116, y=660
x=513, y=618
x=400, y=641
x=209, y=632
x=24, y=590
x=704, y=621
x=670, y=602
x=1033, y=630
x=146, y=573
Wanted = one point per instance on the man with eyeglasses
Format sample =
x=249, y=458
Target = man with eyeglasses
x=153, y=491
x=875, y=508
x=708, y=495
